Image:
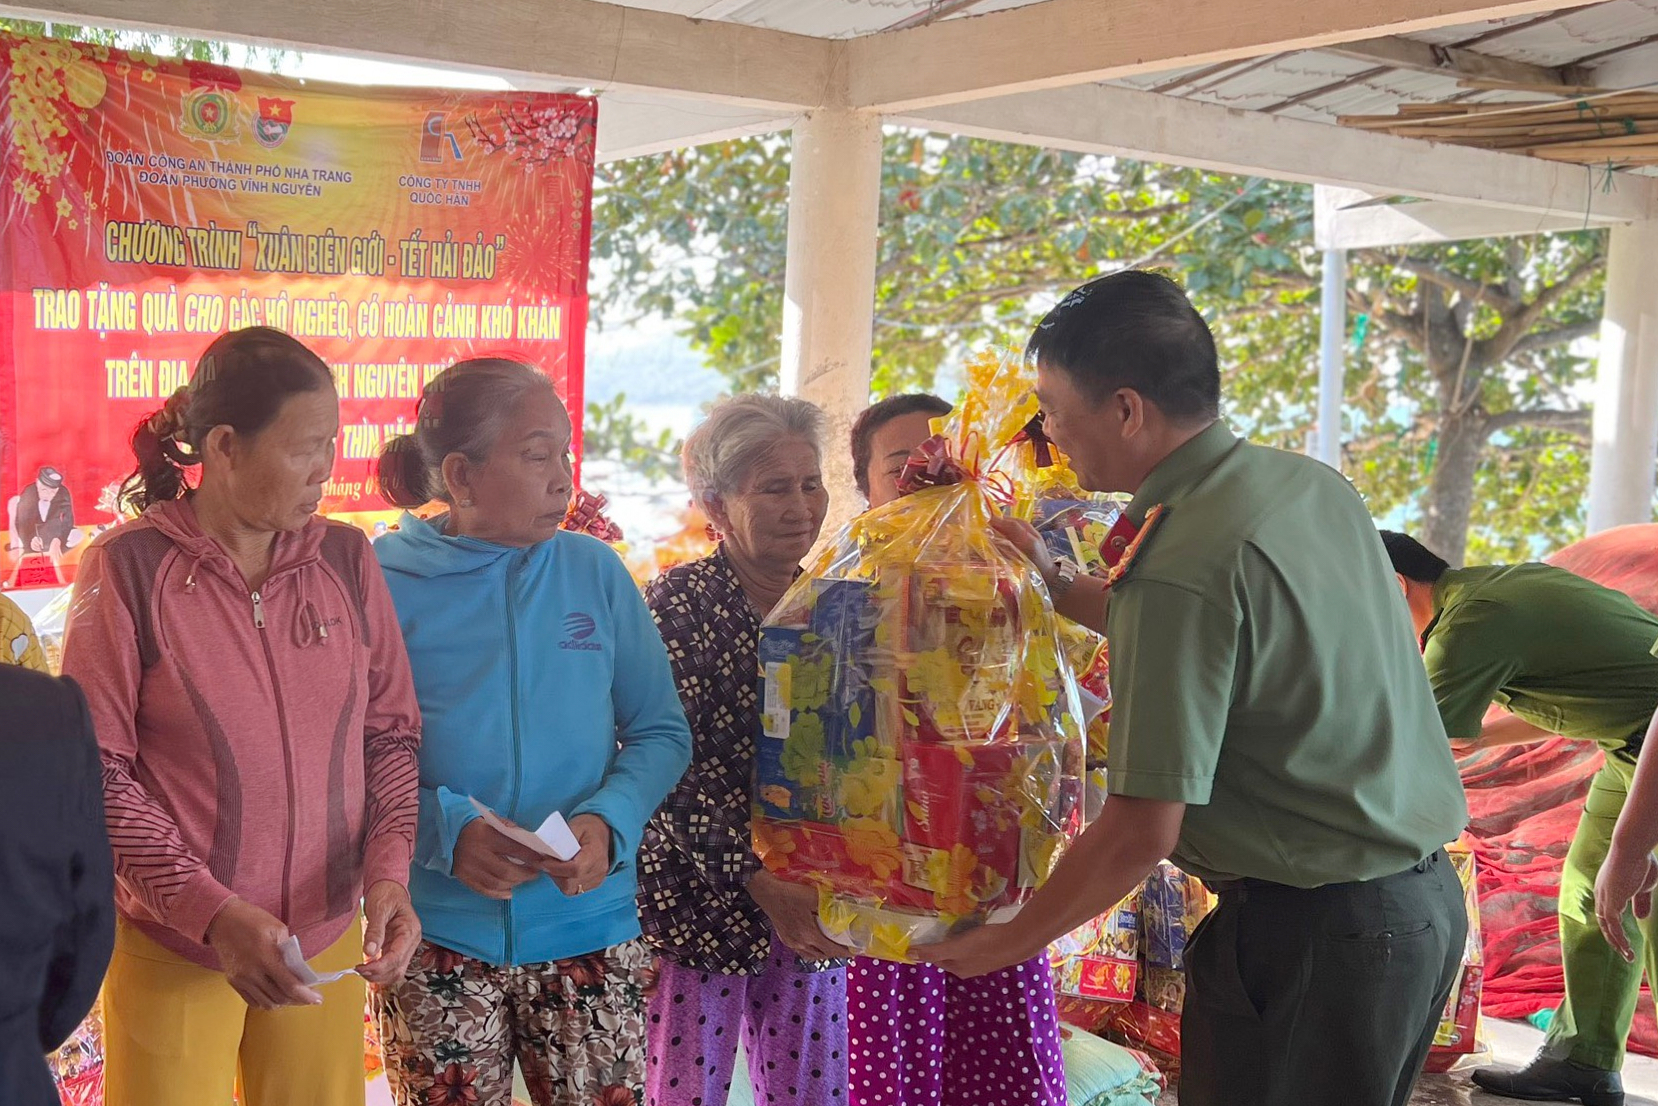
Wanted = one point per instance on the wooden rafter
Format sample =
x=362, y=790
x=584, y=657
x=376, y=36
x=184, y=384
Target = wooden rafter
x=1617, y=130
x=1456, y=61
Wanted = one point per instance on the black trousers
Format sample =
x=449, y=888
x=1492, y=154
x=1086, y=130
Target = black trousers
x=1322, y=997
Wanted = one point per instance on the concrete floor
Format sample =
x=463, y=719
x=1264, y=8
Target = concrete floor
x=1513, y=1044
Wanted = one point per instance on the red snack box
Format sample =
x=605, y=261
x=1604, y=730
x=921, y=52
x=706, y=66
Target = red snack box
x=956, y=798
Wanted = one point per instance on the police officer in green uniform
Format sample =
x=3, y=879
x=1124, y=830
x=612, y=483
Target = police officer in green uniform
x=1564, y=656
x=1272, y=730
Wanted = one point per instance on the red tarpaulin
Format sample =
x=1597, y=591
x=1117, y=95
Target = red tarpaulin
x=1525, y=802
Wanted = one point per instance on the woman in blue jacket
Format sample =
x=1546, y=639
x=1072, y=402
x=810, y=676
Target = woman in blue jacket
x=544, y=687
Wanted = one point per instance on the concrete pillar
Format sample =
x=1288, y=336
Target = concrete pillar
x=1626, y=389
x=1332, y=357
x=829, y=281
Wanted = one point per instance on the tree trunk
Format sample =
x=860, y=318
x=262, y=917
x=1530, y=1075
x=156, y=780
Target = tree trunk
x=1450, y=499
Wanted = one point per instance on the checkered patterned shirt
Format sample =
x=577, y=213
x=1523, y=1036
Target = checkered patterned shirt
x=697, y=855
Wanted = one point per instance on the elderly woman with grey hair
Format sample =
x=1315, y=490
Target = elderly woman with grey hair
x=739, y=947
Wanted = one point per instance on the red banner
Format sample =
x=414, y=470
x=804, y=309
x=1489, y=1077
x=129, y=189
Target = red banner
x=148, y=205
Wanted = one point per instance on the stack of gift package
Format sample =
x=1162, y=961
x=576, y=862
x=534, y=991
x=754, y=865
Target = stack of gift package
x=1099, y=962
x=1458, y=1035
x=1123, y=974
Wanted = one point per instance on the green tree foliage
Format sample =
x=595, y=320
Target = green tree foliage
x=610, y=431
x=1464, y=389
x=193, y=49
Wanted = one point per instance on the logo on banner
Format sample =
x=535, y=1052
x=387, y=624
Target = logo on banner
x=275, y=118
x=434, y=137
x=208, y=113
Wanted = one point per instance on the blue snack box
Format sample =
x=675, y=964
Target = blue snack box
x=843, y=616
x=791, y=767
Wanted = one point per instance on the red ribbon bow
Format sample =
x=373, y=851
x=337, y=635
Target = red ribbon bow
x=1035, y=433
x=586, y=516
x=931, y=465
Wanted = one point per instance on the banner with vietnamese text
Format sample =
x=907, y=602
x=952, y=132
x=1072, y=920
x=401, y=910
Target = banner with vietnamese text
x=148, y=205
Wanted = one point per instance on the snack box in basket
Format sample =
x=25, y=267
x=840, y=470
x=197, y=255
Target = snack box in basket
x=1100, y=959
x=1006, y=806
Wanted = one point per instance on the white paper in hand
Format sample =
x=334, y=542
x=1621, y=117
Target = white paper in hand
x=553, y=838
x=292, y=957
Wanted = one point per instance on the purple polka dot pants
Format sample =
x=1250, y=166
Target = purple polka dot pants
x=921, y=1037
x=792, y=1024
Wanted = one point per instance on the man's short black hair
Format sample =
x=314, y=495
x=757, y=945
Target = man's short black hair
x=877, y=415
x=1133, y=329
x=1413, y=560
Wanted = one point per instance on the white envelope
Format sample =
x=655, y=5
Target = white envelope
x=553, y=838
x=292, y=957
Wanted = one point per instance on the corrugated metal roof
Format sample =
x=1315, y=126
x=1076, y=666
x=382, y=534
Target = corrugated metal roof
x=1317, y=86
x=1451, y=36
x=822, y=18
x=1578, y=33
x=1309, y=85
x=1551, y=40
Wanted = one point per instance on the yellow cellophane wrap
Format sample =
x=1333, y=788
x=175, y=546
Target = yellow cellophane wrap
x=1076, y=524
x=921, y=756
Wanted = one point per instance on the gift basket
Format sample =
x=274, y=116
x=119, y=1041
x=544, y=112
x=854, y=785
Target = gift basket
x=1073, y=523
x=1090, y=529
x=921, y=755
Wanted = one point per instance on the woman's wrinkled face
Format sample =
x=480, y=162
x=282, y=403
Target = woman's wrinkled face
x=779, y=506
x=274, y=479
x=519, y=494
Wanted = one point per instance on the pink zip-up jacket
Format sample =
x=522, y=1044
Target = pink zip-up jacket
x=255, y=744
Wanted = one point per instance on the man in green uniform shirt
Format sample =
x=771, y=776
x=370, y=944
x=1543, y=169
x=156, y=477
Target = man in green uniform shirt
x=1272, y=729
x=1564, y=656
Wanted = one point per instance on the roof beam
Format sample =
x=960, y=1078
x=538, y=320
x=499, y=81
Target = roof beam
x=1071, y=42
x=582, y=43
x=1105, y=119
x=633, y=124
x=1347, y=219
x=1453, y=61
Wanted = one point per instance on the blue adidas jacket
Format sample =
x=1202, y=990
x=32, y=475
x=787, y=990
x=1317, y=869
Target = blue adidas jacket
x=543, y=686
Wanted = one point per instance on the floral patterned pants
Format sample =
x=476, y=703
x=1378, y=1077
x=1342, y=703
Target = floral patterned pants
x=451, y=1030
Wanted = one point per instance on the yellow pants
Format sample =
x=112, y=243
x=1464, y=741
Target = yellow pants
x=177, y=1034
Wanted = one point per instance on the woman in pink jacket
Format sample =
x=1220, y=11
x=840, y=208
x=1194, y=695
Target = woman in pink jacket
x=259, y=731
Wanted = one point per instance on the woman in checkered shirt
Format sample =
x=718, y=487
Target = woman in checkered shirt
x=741, y=950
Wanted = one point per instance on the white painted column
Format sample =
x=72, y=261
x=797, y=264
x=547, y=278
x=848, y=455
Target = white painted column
x=1332, y=357
x=1626, y=390
x=829, y=282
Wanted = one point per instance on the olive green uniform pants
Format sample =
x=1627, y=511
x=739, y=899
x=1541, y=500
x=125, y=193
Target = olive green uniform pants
x=1326, y=995
x=1592, y=1021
